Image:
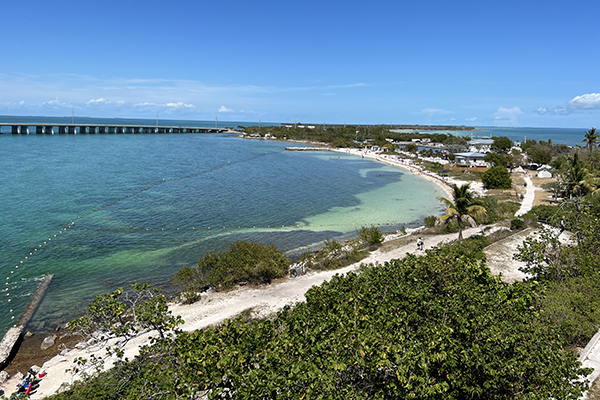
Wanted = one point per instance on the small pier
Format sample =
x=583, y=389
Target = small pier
x=12, y=337
x=26, y=128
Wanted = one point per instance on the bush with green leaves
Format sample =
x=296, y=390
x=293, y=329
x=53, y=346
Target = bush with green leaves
x=574, y=307
x=517, y=224
x=430, y=221
x=547, y=214
x=370, y=236
x=498, y=210
x=334, y=255
x=497, y=178
x=244, y=262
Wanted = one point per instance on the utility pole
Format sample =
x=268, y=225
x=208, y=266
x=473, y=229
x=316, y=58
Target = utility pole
x=216, y=122
x=157, y=120
x=72, y=115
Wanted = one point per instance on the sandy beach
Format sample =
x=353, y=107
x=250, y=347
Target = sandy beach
x=444, y=183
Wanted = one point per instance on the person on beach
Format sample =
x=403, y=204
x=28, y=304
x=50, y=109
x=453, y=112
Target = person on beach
x=419, y=244
x=422, y=243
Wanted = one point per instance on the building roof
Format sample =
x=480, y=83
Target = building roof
x=471, y=155
x=482, y=141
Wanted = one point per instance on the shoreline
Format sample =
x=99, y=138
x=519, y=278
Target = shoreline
x=445, y=185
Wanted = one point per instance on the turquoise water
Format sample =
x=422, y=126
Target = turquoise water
x=100, y=211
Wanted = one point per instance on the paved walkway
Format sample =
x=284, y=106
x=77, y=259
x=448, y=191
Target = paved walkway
x=527, y=203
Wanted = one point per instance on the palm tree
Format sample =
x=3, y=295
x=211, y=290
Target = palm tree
x=579, y=181
x=591, y=139
x=463, y=207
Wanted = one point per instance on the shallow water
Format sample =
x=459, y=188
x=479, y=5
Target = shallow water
x=100, y=211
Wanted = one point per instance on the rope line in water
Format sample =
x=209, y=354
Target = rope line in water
x=71, y=224
x=233, y=227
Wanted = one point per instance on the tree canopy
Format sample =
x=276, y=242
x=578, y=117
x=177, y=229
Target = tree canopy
x=502, y=143
x=497, y=178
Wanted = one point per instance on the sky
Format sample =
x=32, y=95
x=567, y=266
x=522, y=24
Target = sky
x=476, y=63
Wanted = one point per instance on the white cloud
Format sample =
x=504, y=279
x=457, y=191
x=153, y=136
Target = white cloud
x=471, y=119
x=553, y=110
x=508, y=115
x=179, y=104
x=55, y=103
x=225, y=109
x=96, y=101
x=589, y=101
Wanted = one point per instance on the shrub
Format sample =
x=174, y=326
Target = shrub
x=574, y=306
x=333, y=256
x=188, y=283
x=430, y=221
x=370, y=236
x=517, y=224
x=497, y=178
x=243, y=262
x=545, y=213
x=499, y=210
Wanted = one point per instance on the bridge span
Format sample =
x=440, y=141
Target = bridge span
x=27, y=128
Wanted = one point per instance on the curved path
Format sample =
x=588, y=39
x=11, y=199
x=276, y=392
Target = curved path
x=527, y=203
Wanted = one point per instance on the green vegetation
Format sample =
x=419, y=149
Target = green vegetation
x=463, y=207
x=502, y=144
x=539, y=156
x=430, y=221
x=243, y=262
x=336, y=255
x=497, y=178
x=371, y=237
x=498, y=208
x=591, y=139
x=499, y=159
x=355, y=135
x=517, y=224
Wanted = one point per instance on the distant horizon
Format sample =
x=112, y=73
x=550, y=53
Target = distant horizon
x=292, y=122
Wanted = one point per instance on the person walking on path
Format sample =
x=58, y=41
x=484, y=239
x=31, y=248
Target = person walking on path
x=420, y=243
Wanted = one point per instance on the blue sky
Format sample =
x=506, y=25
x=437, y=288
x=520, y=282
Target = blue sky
x=483, y=63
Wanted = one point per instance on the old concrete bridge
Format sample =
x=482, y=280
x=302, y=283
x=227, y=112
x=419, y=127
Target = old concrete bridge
x=27, y=128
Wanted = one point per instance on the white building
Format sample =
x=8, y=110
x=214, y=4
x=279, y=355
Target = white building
x=544, y=171
x=472, y=159
x=482, y=145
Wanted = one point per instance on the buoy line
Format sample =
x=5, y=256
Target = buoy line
x=71, y=224
x=236, y=227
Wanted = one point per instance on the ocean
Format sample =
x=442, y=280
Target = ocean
x=570, y=137
x=102, y=211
